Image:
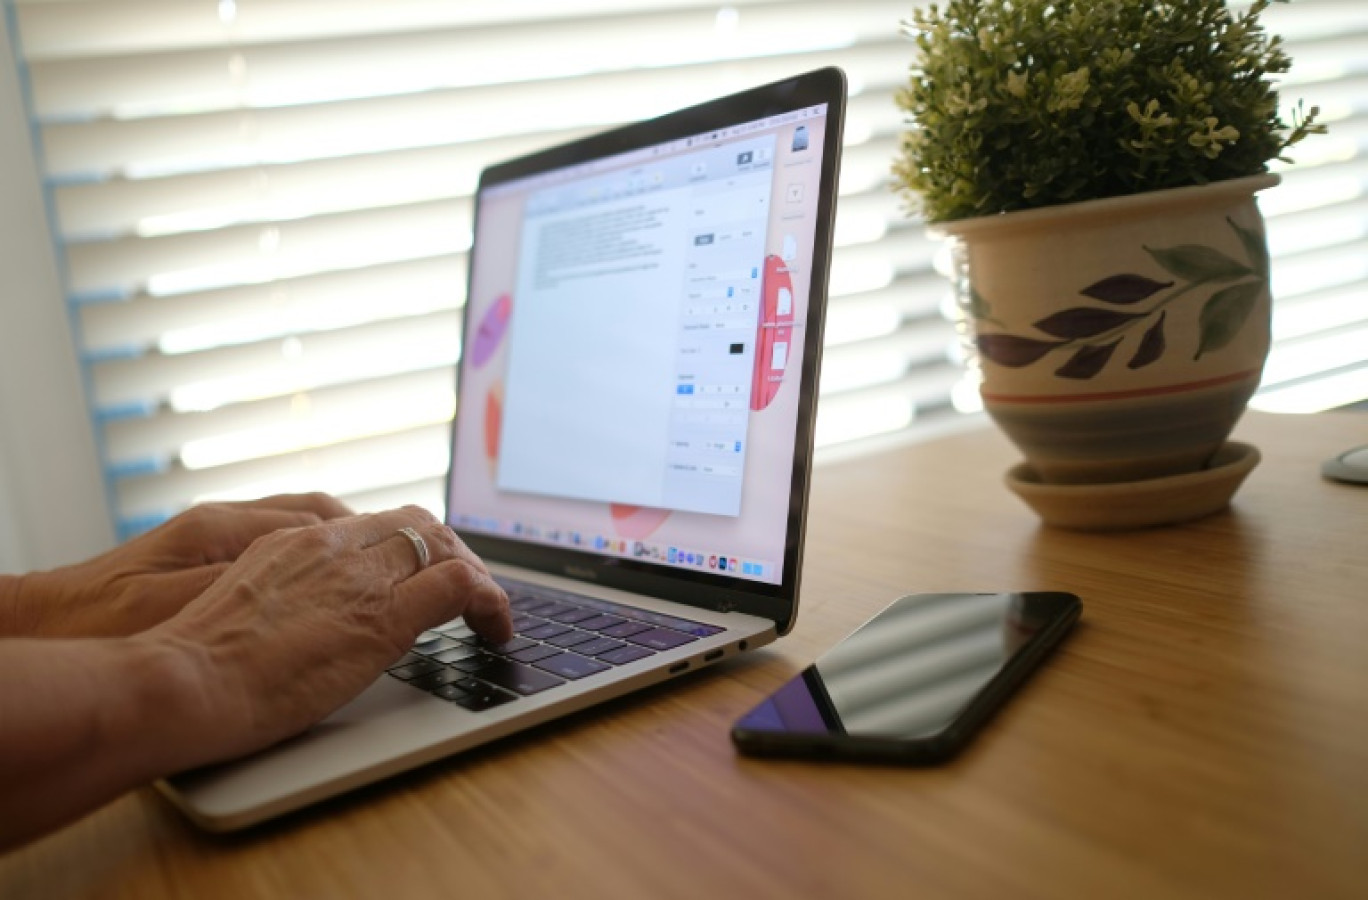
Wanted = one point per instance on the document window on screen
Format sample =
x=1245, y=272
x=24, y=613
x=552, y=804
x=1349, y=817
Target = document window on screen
x=632, y=344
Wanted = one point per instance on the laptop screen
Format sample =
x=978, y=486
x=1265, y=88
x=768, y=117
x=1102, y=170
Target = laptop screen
x=632, y=372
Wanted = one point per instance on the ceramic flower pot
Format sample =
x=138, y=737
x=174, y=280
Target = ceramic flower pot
x=1118, y=340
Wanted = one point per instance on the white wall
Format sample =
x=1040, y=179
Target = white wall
x=52, y=503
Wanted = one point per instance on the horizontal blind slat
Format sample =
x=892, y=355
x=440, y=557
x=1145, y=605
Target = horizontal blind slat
x=199, y=320
x=213, y=378
x=196, y=142
x=75, y=28
x=347, y=412
x=191, y=261
x=235, y=76
x=357, y=466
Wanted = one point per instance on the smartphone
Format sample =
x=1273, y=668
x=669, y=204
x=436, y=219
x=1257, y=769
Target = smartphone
x=914, y=683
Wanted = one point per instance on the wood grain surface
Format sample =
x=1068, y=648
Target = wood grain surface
x=1203, y=733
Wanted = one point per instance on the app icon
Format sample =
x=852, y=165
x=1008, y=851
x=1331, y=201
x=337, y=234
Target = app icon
x=712, y=562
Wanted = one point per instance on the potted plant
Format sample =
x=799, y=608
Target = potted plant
x=1095, y=165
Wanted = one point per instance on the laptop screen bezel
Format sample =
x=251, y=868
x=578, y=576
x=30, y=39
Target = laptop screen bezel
x=709, y=590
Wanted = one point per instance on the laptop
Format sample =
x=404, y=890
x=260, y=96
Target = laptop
x=633, y=436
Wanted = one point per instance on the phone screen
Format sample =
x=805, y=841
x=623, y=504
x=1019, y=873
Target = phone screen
x=915, y=681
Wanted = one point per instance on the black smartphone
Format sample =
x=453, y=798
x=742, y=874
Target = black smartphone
x=914, y=683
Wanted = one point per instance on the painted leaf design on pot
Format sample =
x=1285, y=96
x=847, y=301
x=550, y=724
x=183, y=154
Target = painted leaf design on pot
x=978, y=307
x=1224, y=313
x=1091, y=334
x=1151, y=345
x=1011, y=350
x=1084, y=321
x=1087, y=361
x=1194, y=262
x=1255, y=246
x=1125, y=288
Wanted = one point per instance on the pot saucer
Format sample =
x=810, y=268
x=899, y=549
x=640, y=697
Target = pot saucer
x=1117, y=506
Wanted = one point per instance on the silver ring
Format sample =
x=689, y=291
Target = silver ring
x=419, y=546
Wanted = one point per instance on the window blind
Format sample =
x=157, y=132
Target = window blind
x=263, y=208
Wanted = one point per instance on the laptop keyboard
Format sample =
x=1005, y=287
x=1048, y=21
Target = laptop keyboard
x=558, y=637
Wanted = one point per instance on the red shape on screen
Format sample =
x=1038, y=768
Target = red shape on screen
x=772, y=340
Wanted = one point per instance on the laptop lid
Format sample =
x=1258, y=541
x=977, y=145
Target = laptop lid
x=642, y=334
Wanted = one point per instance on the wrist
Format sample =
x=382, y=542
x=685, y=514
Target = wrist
x=166, y=705
x=85, y=720
x=23, y=599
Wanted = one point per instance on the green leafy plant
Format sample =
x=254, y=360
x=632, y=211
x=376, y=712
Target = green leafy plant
x=1017, y=104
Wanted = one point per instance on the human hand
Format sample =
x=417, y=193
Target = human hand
x=308, y=617
x=151, y=577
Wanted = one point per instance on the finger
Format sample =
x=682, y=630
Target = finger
x=325, y=506
x=402, y=558
x=451, y=589
x=446, y=544
x=224, y=537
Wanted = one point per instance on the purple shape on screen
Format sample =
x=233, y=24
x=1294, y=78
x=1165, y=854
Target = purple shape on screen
x=491, y=330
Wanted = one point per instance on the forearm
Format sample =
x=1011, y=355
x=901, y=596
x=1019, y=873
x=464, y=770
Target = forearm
x=85, y=721
x=14, y=611
x=35, y=604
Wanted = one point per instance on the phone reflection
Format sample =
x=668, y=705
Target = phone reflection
x=906, y=674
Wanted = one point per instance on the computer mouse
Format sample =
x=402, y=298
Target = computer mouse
x=1351, y=465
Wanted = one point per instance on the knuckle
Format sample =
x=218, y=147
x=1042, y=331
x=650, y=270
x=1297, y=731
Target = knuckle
x=443, y=542
x=308, y=540
x=422, y=515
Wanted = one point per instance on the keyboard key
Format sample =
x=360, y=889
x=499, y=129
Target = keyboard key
x=426, y=639
x=436, y=679
x=413, y=670
x=505, y=649
x=408, y=659
x=455, y=654
x=571, y=638
x=598, y=646
x=599, y=622
x=437, y=646
x=625, y=655
x=534, y=653
x=456, y=630
x=517, y=677
x=573, y=614
x=473, y=663
x=626, y=629
x=542, y=632
x=571, y=665
x=547, y=609
x=661, y=639
x=488, y=700
x=451, y=692
x=479, y=695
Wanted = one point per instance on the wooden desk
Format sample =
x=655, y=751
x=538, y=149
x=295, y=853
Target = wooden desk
x=1204, y=732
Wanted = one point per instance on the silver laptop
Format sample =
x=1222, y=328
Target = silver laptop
x=633, y=436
